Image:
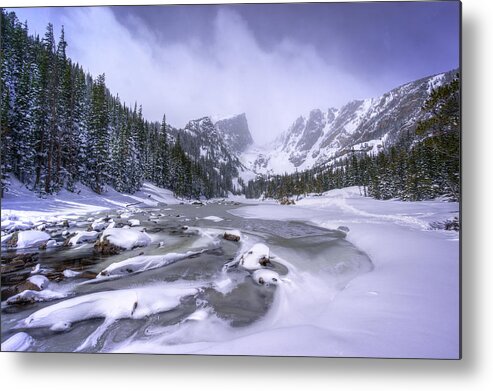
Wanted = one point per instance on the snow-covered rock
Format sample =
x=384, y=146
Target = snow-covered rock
x=255, y=258
x=200, y=314
x=16, y=225
x=31, y=238
x=134, y=222
x=135, y=303
x=61, y=326
x=99, y=224
x=215, y=219
x=143, y=262
x=67, y=273
x=52, y=243
x=40, y=281
x=31, y=296
x=126, y=239
x=19, y=342
x=5, y=239
x=266, y=277
x=36, y=269
x=83, y=237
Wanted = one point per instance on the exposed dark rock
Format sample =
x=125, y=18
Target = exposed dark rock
x=448, y=225
x=12, y=242
x=67, y=243
x=105, y=247
x=88, y=275
x=235, y=132
x=20, y=261
x=54, y=276
x=8, y=269
x=231, y=237
x=16, y=289
x=264, y=261
x=286, y=201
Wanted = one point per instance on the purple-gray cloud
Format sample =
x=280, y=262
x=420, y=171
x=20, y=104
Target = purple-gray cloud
x=271, y=62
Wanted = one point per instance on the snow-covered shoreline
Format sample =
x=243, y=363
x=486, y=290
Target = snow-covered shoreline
x=25, y=204
x=408, y=306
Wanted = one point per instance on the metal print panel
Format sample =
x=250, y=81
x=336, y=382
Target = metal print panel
x=260, y=179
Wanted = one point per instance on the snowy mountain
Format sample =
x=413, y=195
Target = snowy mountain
x=203, y=143
x=362, y=126
x=200, y=138
x=235, y=132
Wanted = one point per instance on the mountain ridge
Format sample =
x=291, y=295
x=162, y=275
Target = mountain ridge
x=365, y=126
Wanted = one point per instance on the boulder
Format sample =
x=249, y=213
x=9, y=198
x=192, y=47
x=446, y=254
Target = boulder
x=21, y=287
x=286, y=201
x=266, y=277
x=233, y=236
x=255, y=258
x=105, y=247
x=12, y=242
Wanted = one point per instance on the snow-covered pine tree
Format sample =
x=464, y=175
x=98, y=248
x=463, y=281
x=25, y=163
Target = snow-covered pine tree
x=98, y=138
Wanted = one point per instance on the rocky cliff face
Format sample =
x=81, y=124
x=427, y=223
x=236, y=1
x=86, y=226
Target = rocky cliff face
x=235, y=132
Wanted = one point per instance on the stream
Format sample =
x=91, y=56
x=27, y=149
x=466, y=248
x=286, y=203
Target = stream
x=224, y=303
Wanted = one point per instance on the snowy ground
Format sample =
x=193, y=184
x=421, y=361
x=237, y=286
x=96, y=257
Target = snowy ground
x=24, y=204
x=408, y=306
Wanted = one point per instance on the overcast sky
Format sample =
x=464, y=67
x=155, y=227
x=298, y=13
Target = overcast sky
x=273, y=62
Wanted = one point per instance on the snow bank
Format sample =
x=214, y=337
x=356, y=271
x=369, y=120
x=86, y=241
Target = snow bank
x=126, y=238
x=20, y=207
x=143, y=262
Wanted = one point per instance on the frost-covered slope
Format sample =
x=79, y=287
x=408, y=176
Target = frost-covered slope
x=361, y=125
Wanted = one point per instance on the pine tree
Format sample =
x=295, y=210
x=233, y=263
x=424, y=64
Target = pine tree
x=97, y=158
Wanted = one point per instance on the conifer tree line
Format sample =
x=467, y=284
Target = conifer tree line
x=60, y=127
x=424, y=165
